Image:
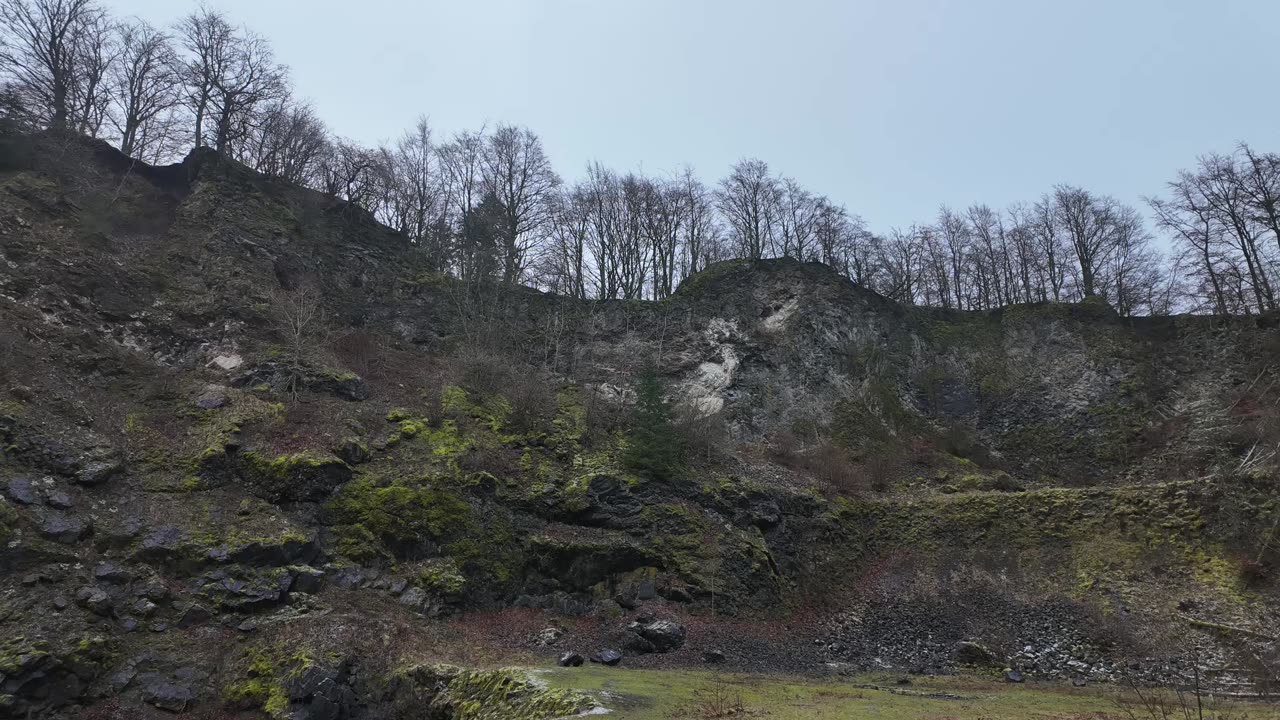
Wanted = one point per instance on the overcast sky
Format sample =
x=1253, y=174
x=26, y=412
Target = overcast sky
x=891, y=108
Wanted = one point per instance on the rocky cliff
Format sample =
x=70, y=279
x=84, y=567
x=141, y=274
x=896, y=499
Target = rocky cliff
x=259, y=458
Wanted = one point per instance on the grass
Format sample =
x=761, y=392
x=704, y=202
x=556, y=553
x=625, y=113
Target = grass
x=661, y=694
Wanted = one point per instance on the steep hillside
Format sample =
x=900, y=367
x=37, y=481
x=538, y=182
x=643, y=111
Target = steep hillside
x=259, y=458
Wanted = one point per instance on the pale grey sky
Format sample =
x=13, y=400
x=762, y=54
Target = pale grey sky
x=890, y=108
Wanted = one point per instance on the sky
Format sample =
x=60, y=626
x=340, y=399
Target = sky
x=890, y=108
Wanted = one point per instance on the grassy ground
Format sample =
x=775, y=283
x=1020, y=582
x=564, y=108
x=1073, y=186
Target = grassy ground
x=662, y=694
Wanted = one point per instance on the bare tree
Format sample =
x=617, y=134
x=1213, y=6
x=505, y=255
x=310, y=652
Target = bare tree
x=747, y=199
x=1188, y=217
x=702, y=229
x=289, y=142
x=901, y=263
x=565, y=263
x=1260, y=183
x=796, y=213
x=229, y=74
x=417, y=202
x=54, y=54
x=145, y=88
x=208, y=39
x=954, y=235
x=1220, y=182
x=1131, y=276
x=354, y=173
x=518, y=173
x=1087, y=220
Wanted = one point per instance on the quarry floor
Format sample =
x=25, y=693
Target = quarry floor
x=647, y=694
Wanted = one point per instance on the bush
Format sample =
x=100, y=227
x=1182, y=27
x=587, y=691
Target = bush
x=702, y=433
x=527, y=390
x=826, y=462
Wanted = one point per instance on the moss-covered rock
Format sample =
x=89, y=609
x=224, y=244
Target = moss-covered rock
x=446, y=691
x=401, y=513
x=302, y=476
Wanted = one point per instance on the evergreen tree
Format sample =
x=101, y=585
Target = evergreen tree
x=653, y=448
x=480, y=239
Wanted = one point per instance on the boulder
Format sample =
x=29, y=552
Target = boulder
x=569, y=659
x=66, y=529
x=112, y=573
x=22, y=490
x=1014, y=676
x=168, y=692
x=606, y=657
x=213, y=397
x=320, y=692
x=659, y=636
x=95, y=600
x=227, y=362
x=241, y=589
x=194, y=614
x=98, y=472
x=971, y=653
x=713, y=657
x=549, y=636
x=164, y=544
x=352, y=452
x=59, y=499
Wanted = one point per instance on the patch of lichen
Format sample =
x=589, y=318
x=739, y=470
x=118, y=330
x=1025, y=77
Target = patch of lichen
x=690, y=547
x=491, y=552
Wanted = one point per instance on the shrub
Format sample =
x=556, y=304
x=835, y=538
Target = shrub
x=527, y=390
x=359, y=350
x=702, y=433
x=827, y=462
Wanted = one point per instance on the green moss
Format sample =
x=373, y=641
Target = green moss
x=296, y=476
x=19, y=652
x=357, y=543
x=454, y=399
x=1104, y=532
x=490, y=694
x=8, y=521
x=403, y=511
x=442, y=577
x=645, y=694
x=260, y=685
